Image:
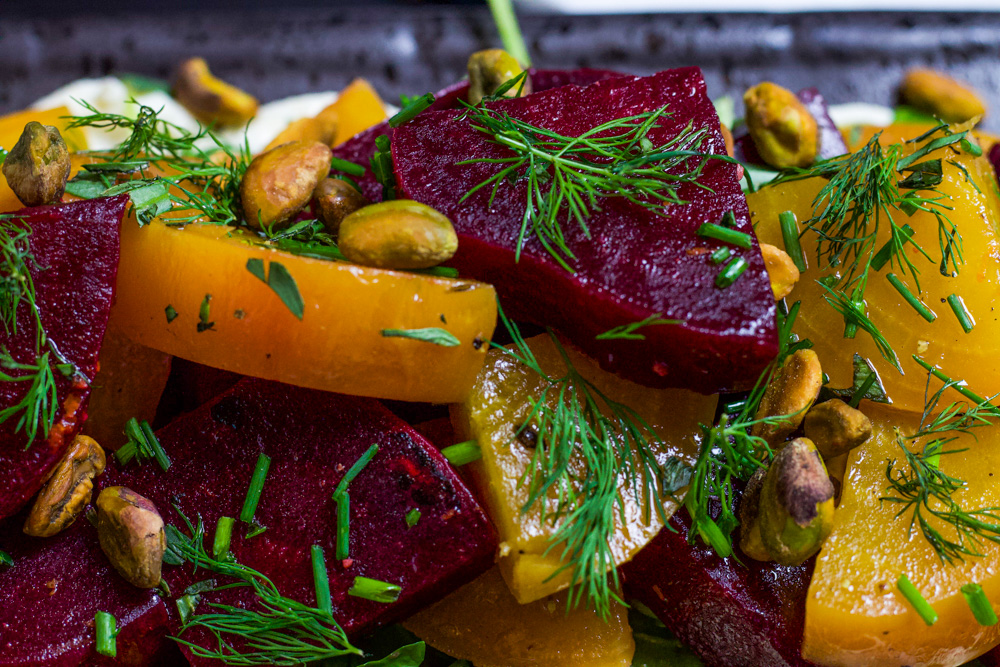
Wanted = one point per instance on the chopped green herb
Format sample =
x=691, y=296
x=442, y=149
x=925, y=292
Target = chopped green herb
x=886, y=252
x=381, y=166
x=980, y=605
x=355, y=469
x=374, y=590
x=962, y=313
x=720, y=255
x=204, y=313
x=909, y=297
x=510, y=32
x=281, y=283
x=343, y=501
x=628, y=331
x=434, y=335
x=731, y=272
x=255, y=529
x=38, y=407
x=171, y=313
x=790, y=236
x=867, y=385
x=223, y=537
x=106, y=631
x=346, y=167
x=711, y=230
x=142, y=444
x=7, y=561
x=255, y=488
x=916, y=600
x=462, y=453
x=956, y=385
x=412, y=517
x=411, y=109
x=321, y=580
x=186, y=606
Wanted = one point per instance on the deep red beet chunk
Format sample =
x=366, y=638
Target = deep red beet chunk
x=635, y=264
x=313, y=438
x=76, y=248
x=731, y=615
x=51, y=594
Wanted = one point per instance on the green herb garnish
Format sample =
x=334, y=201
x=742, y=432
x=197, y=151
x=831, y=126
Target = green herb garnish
x=321, y=580
x=979, y=604
x=962, y=313
x=463, y=453
x=205, y=314
x=434, y=335
x=223, y=537
x=106, y=631
x=510, y=31
x=142, y=444
x=412, y=517
x=375, y=590
x=916, y=600
x=281, y=283
x=171, y=313
x=255, y=488
x=628, y=331
x=343, y=500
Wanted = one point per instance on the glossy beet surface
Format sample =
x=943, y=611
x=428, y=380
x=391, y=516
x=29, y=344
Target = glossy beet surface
x=731, y=615
x=313, y=437
x=50, y=595
x=635, y=264
x=77, y=244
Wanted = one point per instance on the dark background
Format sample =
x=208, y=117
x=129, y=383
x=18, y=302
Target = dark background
x=311, y=45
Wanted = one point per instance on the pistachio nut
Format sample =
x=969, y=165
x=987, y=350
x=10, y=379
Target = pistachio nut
x=796, y=503
x=335, y=199
x=38, y=165
x=397, y=234
x=491, y=68
x=210, y=99
x=68, y=489
x=791, y=393
x=750, y=540
x=836, y=428
x=780, y=269
x=131, y=534
x=279, y=182
x=940, y=95
x=783, y=131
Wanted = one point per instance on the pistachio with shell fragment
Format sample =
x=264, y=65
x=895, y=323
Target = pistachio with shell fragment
x=783, y=131
x=68, y=489
x=792, y=391
x=38, y=165
x=131, y=534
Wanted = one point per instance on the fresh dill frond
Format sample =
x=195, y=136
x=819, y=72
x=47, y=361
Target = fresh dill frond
x=276, y=630
x=16, y=265
x=38, y=407
x=629, y=331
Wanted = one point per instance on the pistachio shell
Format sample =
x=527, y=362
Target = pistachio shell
x=397, y=234
x=491, y=68
x=335, y=199
x=279, y=182
x=68, y=489
x=750, y=540
x=208, y=98
x=38, y=165
x=783, y=131
x=131, y=534
x=792, y=392
x=941, y=96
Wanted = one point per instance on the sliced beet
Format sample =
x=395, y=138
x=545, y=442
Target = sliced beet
x=731, y=614
x=51, y=594
x=831, y=142
x=77, y=244
x=313, y=437
x=635, y=265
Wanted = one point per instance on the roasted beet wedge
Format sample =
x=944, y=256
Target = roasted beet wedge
x=50, y=595
x=634, y=264
x=731, y=615
x=76, y=248
x=313, y=438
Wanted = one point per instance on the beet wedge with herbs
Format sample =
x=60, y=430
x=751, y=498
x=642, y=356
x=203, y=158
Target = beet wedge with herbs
x=413, y=522
x=636, y=266
x=75, y=262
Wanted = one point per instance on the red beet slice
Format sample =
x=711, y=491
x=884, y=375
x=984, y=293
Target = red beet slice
x=831, y=142
x=50, y=595
x=635, y=265
x=731, y=615
x=313, y=437
x=78, y=245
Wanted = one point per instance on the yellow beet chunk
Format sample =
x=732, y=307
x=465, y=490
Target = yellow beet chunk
x=855, y=615
x=11, y=127
x=357, y=108
x=492, y=415
x=972, y=357
x=484, y=624
x=337, y=345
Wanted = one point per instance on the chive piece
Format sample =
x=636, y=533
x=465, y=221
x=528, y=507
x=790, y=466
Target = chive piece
x=204, y=313
x=973, y=149
x=6, y=560
x=862, y=390
x=462, y=453
x=916, y=600
x=728, y=219
x=957, y=386
x=790, y=235
x=347, y=167
x=412, y=517
x=343, y=500
x=731, y=272
x=256, y=486
x=374, y=590
x=255, y=530
x=223, y=536
x=321, y=579
x=106, y=632
x=510, y=32
x=885, y=253
x=171, y=313
x=186, y=605
x=917, y=304
x=142, y=444
x=711, y=230
x=353, y=471
x=721, y=254
x=961, y=312
x=154, y=445
x=979, y=604
x=410, y=111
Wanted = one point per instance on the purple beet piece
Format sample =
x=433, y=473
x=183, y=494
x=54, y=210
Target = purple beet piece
x=831, y=142
x=731, y=614
x=313, y=438
x=360, y=148
x=50, y=595
x=636, y=264
x=994, y=156
x=77, y=244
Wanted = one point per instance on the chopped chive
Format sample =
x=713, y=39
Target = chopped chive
x=204, y=313
x=862, y=390
x=735, y=407
x=979, y=604
x=375, y=590
x=6, y=560
x=255, y=530
x=347, y=167
x=711, y=230
x=171, y=313
x=106, y=632
x=186, y=605
x=728, y=219
x=721, y=254
x=154, y=445
x=256, y=486
x=321, y=580
x=971, y=148
x=905, y=292
x=343, y=500
x=885, y=253
x=731, y=272
x=916, y=600
x=353, y=471
x=957, y=386
x=790, y=235
x=462, y=453
x=961, y=312
x=223, y=536
x=414, y=107
x=142, y=444
x=412, y=517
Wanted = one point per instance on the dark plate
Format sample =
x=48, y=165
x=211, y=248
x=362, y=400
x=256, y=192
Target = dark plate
x=412, y=49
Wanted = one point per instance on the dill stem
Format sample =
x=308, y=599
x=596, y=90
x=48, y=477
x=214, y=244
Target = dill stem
x=886, y=252
x=957, y=386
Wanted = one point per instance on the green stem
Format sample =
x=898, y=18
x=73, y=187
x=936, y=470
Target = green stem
x=979, y=604
x=916, y=600
x=104, y=624
x=375, y=590
x=462, y=453
x=255, y=489
x=510, y=31
x=321, y=580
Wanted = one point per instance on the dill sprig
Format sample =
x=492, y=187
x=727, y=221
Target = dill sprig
x=275, y=631
x=929, y=492
x=16, y=265
x=567, y=177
